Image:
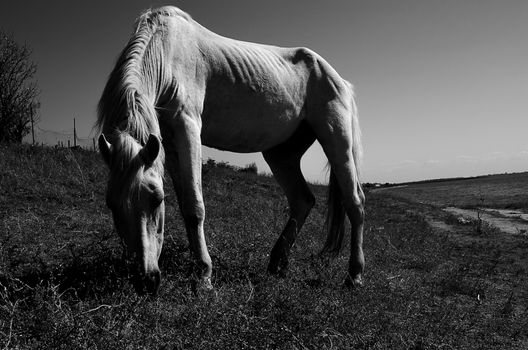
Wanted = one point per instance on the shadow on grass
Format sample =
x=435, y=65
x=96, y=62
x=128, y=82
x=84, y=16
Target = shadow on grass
x=95, y=276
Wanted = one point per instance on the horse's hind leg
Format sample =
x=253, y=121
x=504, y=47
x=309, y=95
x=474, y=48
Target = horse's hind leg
x=285, y=163
x=335, y=134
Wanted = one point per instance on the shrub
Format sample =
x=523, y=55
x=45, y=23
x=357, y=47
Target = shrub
x=250, y=168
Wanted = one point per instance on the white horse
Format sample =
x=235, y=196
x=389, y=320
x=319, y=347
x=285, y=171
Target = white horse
x=177, y=86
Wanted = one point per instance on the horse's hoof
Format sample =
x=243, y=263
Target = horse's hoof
x=202, y=286
x=205, y=283
x=353, y=282
x=278, y=268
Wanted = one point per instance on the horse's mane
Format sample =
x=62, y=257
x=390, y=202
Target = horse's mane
x=129, y=97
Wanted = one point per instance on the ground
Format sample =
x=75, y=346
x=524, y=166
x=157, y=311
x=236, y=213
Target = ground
x=428, y=285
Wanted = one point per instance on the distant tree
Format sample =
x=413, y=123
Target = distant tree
x=18, y=93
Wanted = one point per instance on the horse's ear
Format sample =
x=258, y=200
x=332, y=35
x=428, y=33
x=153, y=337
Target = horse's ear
x=150, y=152
x=105, y=149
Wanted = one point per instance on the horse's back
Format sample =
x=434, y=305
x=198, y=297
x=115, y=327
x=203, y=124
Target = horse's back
x=250, y=96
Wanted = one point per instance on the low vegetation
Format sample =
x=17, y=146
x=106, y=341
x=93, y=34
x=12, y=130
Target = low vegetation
x=63, y=285
x=505, y=191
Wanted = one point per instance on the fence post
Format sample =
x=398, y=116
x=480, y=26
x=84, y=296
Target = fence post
x=74, y=134
x=32, y=129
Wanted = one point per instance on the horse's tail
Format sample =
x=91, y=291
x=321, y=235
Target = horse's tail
x=335, y=216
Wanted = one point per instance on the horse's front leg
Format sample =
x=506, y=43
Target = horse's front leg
x=184, y=160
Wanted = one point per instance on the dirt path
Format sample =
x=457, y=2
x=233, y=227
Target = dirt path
x=508, y=221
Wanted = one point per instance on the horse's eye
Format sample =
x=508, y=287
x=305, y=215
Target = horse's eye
x=156, y=200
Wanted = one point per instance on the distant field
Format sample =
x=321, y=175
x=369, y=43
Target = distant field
x=508, y=191
x=63, y=285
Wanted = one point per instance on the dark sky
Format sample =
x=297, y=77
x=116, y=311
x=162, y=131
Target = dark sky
x=441, y=85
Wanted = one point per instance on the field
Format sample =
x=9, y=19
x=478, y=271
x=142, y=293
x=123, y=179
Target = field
x=506, y=191
x=63, y=285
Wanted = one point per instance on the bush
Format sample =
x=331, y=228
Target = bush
x=250, y=168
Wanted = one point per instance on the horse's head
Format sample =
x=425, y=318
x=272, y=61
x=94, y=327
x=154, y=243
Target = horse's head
x=136, y=198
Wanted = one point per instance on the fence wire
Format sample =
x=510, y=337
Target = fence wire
x=63, y=138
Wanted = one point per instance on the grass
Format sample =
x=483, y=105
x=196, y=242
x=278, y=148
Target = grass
x=506, y=191
x=63, y=285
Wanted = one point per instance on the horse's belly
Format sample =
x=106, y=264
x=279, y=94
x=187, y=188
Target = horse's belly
x=252, y=115
x=249, y=132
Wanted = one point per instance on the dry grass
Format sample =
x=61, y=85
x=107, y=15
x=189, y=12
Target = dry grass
x=62, y=284
x=508, y=191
